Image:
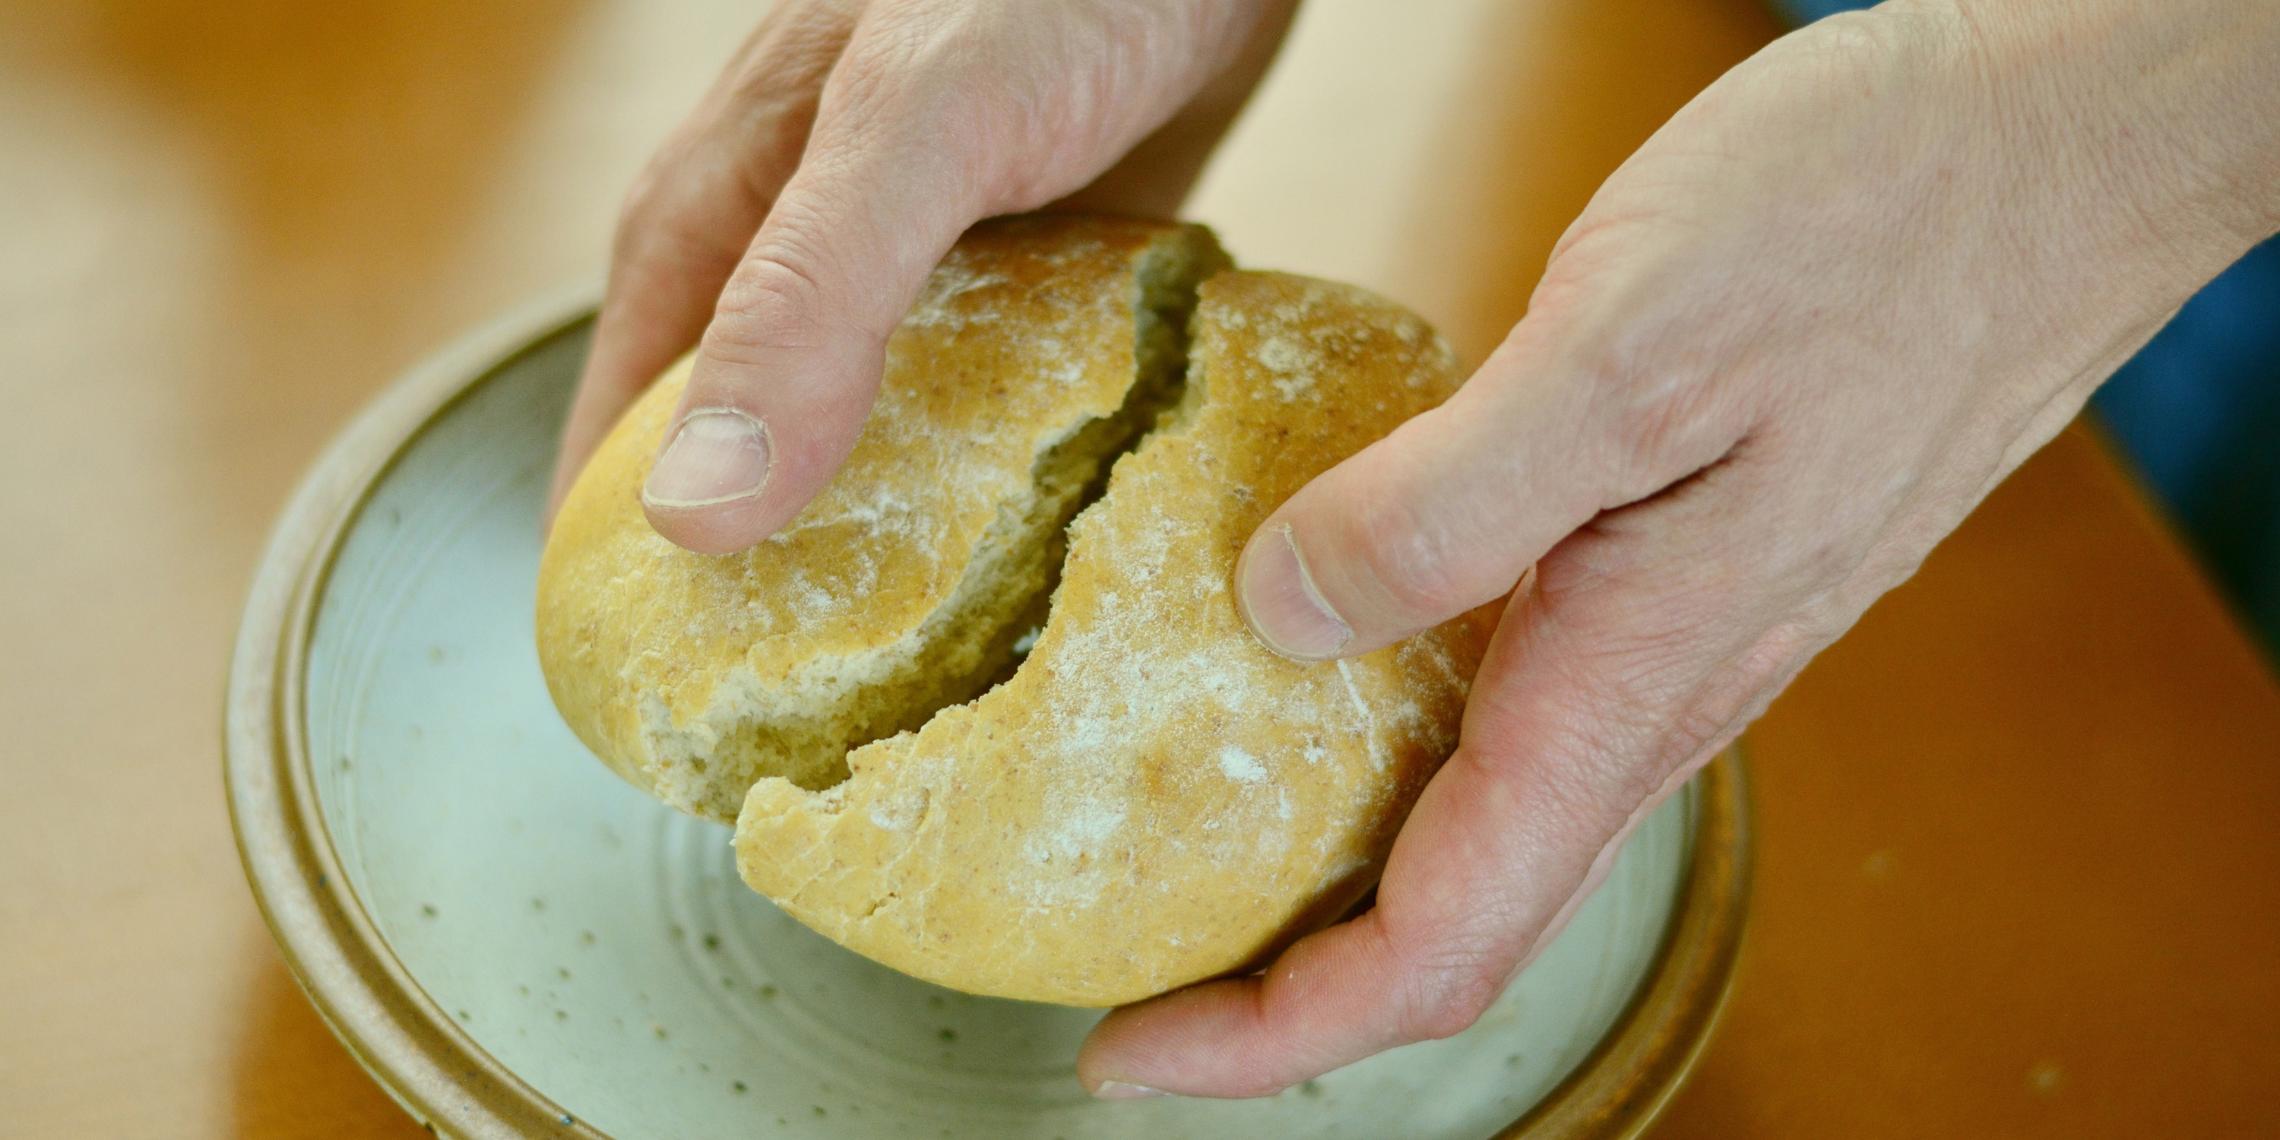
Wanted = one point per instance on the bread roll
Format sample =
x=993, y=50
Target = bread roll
x=1151, y=798
x=1036, y=352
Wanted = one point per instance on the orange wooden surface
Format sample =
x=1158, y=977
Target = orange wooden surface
x=2018, y=833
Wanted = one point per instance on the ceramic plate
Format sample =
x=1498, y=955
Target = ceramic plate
x=514, y=942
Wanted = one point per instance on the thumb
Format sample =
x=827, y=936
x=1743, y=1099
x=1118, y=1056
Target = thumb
x=935, y=117
x=1453, y=507
x=1448, y=511
x=789, y=366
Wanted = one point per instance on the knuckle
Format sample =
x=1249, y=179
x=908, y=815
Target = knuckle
x=794, y=49
x=1020, y=115
x=916, y=87
x=772, y=301
x=1697, y=727
x=1441, y=982
x=1450, y=1000
x=1887, y=565
x=1615, y=769
x=1739, y=693
x=1661, y=416
x=1637, y=713
x=904, y=50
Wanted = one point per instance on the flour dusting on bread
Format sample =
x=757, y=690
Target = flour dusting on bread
x=1026, y=365
x=1152, y=798
x=986, y=733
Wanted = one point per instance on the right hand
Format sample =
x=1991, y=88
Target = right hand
x=791, y=221
x=1783, y=351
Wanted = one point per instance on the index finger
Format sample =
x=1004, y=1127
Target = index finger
x=688, y=218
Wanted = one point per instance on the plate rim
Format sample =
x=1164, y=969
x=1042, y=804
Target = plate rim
x=436, y=1070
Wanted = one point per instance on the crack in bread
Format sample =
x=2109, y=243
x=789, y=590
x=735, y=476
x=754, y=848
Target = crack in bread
x=1149, y=797
x=1152, y=799
x=1039, y=350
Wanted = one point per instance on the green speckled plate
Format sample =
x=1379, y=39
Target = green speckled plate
x=515, y=943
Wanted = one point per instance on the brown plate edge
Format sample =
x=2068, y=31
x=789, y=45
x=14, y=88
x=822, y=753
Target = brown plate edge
x=450, y=1084
x=1625, y=1082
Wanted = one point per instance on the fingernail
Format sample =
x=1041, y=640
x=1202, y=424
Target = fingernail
x=1280, y=603
x=716, y=455
x=1119, y=1090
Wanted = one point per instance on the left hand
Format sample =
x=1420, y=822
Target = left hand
x=792, y=220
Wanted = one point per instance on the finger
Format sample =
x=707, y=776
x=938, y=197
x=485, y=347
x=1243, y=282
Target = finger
x=931, y=120
x=1643, y=646
x=692, y=213
x=1154, y=178
x=1442, y=515
x=790, y=364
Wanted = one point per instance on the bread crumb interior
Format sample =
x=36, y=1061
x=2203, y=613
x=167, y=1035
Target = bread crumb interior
x=978, y=637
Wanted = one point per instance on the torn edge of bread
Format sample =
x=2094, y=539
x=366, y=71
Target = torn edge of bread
x=802, y=726
x=1153, y=798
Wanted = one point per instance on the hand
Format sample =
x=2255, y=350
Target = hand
x=795, y=216
x=1786, y=348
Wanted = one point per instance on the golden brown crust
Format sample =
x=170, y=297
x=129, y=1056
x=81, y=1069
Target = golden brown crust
x=1153, y=798
x=661, y=659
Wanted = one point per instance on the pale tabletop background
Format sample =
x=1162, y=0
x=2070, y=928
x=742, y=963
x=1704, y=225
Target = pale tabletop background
x=2019, y=835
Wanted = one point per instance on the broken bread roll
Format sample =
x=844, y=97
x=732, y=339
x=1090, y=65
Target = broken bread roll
x=1149, y=797
x=1035, y=354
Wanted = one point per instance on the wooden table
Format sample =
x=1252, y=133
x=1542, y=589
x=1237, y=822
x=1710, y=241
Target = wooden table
x=2019, y=834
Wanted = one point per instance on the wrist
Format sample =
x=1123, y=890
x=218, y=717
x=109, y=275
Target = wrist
x=2168, y=106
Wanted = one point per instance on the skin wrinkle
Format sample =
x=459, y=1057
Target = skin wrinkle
x=768, y=305
x=785, y=61
x=1777, y=656
x=1706, y=744
x=1413, y=556
x=772, y=105
x=1603, y=862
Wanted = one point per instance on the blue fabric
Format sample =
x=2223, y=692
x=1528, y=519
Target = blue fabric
x=2198, y=411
